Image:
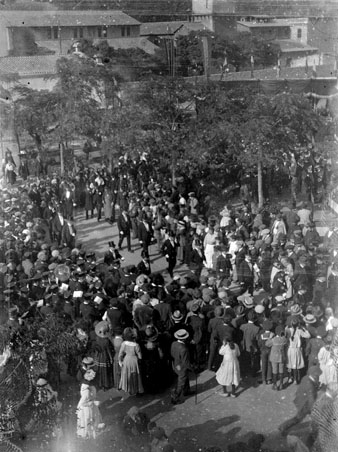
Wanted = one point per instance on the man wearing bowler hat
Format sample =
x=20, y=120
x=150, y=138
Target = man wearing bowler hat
x=181, y=365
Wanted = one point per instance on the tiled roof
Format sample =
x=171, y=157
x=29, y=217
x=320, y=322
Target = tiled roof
x=65, y=18
x=133, y=43
x=169, y=28
x=263, y=24
x=287, y=45
x=160, y=28
x=29, y=65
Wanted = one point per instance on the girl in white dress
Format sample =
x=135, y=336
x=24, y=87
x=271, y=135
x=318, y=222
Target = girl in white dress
x=228, y=375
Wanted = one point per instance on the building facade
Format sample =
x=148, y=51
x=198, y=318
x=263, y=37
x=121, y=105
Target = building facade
x=57, y=29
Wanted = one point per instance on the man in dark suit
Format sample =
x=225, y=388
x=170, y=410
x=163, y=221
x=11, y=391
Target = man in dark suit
x=57, y=225
x=124, y=225
x=250, y=355
x=181, y=365
x=169, y=250
x=87, y=310
x=245, y=274
x=68, y=234
x=145, y=234
x=115, y=315
x=213, y=326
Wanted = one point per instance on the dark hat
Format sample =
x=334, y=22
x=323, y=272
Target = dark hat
x=113, y=302
x=321, y=331
x=151, y=333
x=251, y=315
x=279, y=330
x=111, y=244
x=219, y=311
x=317, y=311
x=181, y=334
x=267, y=325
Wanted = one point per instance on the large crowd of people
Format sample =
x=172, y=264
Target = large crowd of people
x=248, y=294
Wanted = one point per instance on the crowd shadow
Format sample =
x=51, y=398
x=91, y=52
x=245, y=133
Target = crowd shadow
x=210, y=433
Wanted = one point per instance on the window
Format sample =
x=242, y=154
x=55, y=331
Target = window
x=53, y=33
x=77, y=32
x=125, y=31
x=102, y=32
x=299, y=33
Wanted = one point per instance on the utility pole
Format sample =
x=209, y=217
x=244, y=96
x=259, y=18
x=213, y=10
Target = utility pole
x=60, y=40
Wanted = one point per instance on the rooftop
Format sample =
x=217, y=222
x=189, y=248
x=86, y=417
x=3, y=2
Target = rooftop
x=273, y=23
x=29, y=65
x=133, y=43
x=160, y=28
x=65, y=18
x=287, y=73
x=287, y=46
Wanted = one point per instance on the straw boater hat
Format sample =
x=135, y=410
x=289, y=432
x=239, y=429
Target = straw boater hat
x=181, y=334
x=309, y=318
x=177, y=316
x=295, y=309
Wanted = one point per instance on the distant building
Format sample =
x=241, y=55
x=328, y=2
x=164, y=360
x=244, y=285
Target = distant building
x=264, y=27
x=157, y=31
x=57, y=30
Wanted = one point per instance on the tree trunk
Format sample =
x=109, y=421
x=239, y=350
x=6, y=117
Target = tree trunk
x=260, y=184
x=62, y=163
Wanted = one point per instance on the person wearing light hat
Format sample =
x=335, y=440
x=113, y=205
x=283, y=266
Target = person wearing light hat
x=89, y=419
x=181, y=365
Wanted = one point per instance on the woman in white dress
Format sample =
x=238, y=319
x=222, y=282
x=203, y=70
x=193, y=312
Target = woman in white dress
x=228, y=375
x=210, y=240
x=89, y=420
